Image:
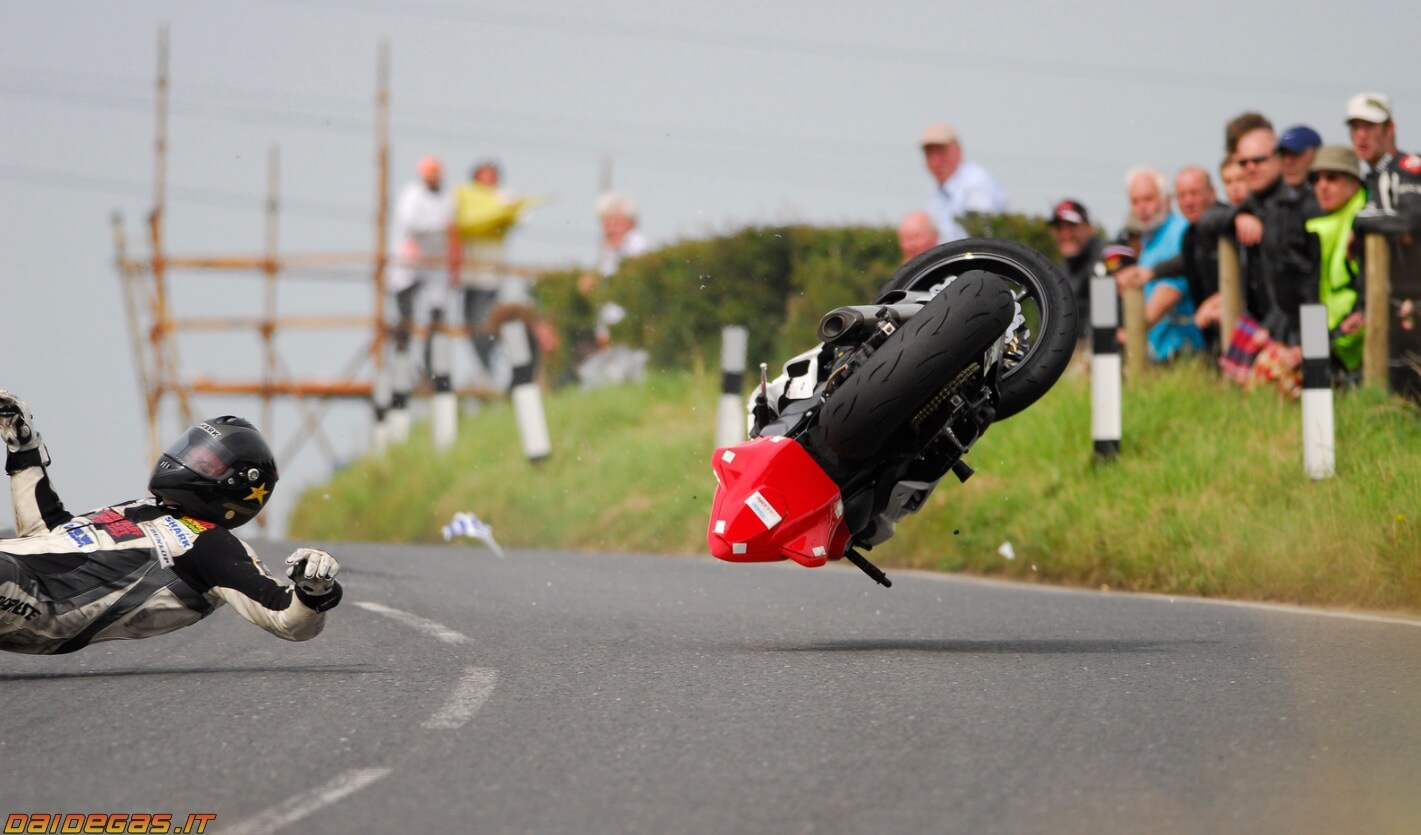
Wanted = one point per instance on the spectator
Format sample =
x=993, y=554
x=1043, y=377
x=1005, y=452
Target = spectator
x=1169, y=312
x=1235, y=185
x=916, y=234
x=598, y=361
x=1080, y=253
x=484, y=215
x=1241, y=124
x=1296, y=149
x=1269, y=227
x=620, y=238
x=960, y=186
x=1198, y=257
x=1393, y=189
x=1337, y=185
x=422, y=216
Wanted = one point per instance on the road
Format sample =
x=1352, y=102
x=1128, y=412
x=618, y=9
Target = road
x=555, y=692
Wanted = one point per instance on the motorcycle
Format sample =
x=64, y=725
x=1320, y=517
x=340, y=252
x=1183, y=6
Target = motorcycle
x=859, y=430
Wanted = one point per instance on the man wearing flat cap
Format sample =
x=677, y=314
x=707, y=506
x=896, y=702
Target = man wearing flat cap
x=1394, y=207
x=960, y=186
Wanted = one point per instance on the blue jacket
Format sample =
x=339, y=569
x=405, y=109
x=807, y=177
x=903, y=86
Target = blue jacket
x=1176, y=331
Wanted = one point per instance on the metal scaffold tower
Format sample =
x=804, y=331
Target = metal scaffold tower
x=154, y=326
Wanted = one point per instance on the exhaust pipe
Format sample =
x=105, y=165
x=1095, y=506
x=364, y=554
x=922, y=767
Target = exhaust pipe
x=852, y=324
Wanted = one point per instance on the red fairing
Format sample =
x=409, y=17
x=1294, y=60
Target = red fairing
x=773, y=502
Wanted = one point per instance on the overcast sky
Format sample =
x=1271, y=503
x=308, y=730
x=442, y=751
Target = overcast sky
x=712, y=115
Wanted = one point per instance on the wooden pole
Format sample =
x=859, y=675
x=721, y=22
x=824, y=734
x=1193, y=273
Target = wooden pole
x=1137, y=357
x=382, y=199
x=1376, y=342
x=1230, y=291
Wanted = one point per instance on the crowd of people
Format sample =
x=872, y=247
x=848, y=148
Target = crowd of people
x=1296, y=207
x=1298, y=210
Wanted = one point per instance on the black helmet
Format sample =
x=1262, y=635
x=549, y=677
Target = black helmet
x=221, y=471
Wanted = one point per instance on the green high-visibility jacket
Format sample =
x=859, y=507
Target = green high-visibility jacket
x=1337, y=272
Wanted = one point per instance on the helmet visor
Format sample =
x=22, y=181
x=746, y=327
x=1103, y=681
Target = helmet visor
x=203, y=454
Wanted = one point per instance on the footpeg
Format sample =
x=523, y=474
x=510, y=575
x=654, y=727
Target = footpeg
x=868, y=568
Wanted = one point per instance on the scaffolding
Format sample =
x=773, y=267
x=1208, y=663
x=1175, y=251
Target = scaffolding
x=154, y=326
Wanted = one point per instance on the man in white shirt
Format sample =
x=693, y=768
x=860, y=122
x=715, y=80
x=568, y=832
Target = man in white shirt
x=423, y=213
x=960, y=186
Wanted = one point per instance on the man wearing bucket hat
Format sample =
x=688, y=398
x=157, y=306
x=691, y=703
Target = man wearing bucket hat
x=1393, y=208
x=1337, y=184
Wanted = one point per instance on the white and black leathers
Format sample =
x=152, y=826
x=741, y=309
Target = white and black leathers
x=132, y=570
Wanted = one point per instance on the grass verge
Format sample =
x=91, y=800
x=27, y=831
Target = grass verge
x=1208, y=497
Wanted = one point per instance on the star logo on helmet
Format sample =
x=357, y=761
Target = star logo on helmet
x=259, y=493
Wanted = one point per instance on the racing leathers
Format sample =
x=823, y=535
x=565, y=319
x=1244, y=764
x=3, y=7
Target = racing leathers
x=132, y=570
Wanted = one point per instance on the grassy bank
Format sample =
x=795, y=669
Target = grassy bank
x=1208, y=497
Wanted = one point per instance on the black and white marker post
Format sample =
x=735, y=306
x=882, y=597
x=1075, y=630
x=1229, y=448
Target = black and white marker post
x=1319, y=440
x=444, y=404
x=1104, y=368
x=527, y=399
x=730, y=418
x=380, y=400
x=397, y=422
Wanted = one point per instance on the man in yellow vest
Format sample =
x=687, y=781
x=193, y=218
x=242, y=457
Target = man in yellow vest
x=1336, y=176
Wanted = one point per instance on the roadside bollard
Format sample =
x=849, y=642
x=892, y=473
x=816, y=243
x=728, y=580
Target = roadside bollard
x=730, y=419
x=1319, y=440
x=444, y=403
x=527, y=399
x=380, y=400
x=397, y=422
x=1104, y=369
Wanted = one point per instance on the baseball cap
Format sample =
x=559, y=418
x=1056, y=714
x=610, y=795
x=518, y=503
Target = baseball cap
x=938, y=133
x=1299, y=138
x=1069, y=211
x=1337, y=158
x=1369, y=107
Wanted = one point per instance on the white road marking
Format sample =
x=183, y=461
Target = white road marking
x=1340, y=614
x=428, y=627
x=304, y=804
x=469, y=695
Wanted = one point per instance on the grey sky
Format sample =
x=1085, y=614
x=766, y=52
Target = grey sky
x=713, y=115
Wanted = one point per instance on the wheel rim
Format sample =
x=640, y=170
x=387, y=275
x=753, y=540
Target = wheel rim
x=1033, y=308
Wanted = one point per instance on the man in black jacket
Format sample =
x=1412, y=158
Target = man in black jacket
x=1080, y=253
x=1269, y=227
x=1394, y=208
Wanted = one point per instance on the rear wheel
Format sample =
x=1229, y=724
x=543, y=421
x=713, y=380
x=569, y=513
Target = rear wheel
x=900, y=388
x=1040, y=343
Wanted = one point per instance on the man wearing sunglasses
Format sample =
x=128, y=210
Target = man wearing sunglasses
x=1393, y=204
x=1277, y=263
x=147, y=567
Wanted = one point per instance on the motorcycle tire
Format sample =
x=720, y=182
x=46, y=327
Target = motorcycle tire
x=1050, y=328
x=913, y=366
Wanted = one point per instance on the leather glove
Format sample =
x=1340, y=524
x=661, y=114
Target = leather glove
x=312, y=570
x=17, y=427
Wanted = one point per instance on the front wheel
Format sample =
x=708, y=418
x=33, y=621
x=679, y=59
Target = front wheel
x=1040, y=341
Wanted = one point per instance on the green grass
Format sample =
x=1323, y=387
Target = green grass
x=1207, y=498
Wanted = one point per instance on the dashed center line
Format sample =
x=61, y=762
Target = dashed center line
x=428, y=627
x=469, y=695
x=279, y=817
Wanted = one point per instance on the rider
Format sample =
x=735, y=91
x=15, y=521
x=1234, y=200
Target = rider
x=150, y=566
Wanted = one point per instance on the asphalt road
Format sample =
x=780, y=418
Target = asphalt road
x=551, y=692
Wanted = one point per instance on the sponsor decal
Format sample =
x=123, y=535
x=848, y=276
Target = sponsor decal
x=109, y=822
x=116, y=525
x=180, y=532
x=195, y=525
x=161, y=549
x=210, y=429
x=1410, y=163
x=762, y=508
x=82, y=535
x=259, y=493
x=19, y=606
